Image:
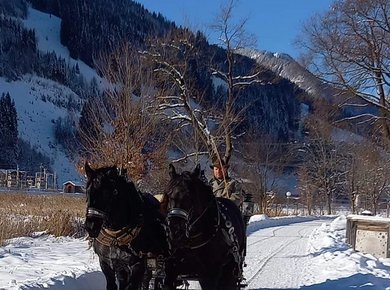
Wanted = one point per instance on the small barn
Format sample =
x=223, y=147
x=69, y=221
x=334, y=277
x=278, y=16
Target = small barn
x=73, y=187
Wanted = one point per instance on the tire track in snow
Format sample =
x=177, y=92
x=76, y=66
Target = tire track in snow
x=277, y=240
x=266, y=238
x=266, y=260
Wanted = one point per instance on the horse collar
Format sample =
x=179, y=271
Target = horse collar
x=122, y=237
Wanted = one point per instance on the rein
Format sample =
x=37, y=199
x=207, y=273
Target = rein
x=202, y=214
x=216, y=227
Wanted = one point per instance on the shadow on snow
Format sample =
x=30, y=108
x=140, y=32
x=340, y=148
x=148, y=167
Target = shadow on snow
x=88, y=281
x=356, y=281
x=283, y=221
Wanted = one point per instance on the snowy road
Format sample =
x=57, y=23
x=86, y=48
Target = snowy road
x=277, y=257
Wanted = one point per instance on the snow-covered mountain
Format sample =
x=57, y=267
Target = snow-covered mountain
x=285, y=66
x=38, y=100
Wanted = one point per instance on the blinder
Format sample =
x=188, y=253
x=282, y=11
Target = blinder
x=181, y=214
x=178, y=212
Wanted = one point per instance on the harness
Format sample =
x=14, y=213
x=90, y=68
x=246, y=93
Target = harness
x=118, y=238
x=121, y=237
x=231, y=239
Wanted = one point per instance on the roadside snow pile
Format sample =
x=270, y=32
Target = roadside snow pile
x=262, y=221
x=333, y=259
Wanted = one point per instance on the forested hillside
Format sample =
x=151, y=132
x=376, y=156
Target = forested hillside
x=90, y=28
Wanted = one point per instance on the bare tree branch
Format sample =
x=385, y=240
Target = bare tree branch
x=350, y=47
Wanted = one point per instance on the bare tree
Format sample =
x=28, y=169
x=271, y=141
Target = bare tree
x=368, y=176
x=265, y=159
x=121, y=128
x=322, y=168
x=349, y=47
x=233, y=37
x=182, y=99
x=307, y=189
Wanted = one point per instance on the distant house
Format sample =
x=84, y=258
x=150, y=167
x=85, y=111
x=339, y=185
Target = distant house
x=73, y=187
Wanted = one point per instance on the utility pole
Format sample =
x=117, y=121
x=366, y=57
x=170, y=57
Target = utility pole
x=288, y=194
x=45, y=176
x=17, y=175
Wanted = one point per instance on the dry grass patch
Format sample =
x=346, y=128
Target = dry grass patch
x=22, y=214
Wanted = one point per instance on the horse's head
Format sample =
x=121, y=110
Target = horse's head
x=186, y=197
x=108, y=199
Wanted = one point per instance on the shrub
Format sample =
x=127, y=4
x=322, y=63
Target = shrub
x=22, y=214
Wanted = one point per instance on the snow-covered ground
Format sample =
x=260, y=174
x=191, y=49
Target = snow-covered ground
x=36, y=117
x=35, y=97
x=283, y=253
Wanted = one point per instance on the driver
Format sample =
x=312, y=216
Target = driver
x=223, y=185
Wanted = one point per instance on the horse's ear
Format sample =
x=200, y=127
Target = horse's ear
x=172, y=170
x=88, y=170
x=196, y=171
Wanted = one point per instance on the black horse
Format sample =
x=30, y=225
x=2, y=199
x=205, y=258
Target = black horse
x=207, y=234
x=126, y=226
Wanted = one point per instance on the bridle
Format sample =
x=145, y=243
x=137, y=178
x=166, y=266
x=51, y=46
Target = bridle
x=181, y=214
x=108, y=237
x=97, y=213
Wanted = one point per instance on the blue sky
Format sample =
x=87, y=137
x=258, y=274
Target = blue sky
x=275, y=23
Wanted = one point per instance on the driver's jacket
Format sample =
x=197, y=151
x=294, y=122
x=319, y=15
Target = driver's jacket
x=230, y=189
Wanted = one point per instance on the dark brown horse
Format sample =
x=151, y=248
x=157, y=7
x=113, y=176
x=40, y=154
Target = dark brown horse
x=126, y=226
x=206, y=234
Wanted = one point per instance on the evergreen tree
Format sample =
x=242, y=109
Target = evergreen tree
x=8, y=132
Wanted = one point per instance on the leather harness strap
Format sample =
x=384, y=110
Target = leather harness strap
x=200, y=239
x=122, y=237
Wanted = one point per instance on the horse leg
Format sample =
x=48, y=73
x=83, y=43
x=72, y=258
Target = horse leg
x=228, y=279
x=124, y=280
x=109, y=273
x=130, y=277
x=209, y=280
x=170, y=276
x=146, y=279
